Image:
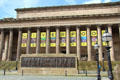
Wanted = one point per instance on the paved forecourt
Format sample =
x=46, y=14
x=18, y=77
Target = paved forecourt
x=19, y=77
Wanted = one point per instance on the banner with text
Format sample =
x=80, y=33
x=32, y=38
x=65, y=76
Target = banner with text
x=24, y=40
x=83, y=38
x=63, y=39
x=33, y=40
x=43, y=39
x=52, y=39
x=73, y=38
x=94, y=37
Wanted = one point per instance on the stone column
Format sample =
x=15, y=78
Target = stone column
x=111, y=45
x=19, y=44
x=4, y=56
x=78, y=43
x=89, y=44
x=28, y=41
x=57, y=40
x=38, y=41
x=47, y=40
x=67, y=40
x=1, y=43
x=10, y=45
x=100, y=42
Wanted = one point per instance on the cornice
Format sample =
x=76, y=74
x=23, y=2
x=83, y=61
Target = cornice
x=56, y=17
x=69, y=6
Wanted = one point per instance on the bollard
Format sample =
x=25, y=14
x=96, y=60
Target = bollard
x=4, y=72
x=65, y=72
x=86, y=73
x=22, y=72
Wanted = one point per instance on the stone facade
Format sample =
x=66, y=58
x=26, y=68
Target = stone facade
x=76, y=18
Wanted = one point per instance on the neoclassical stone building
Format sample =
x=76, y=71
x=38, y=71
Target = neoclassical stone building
x=72, y=29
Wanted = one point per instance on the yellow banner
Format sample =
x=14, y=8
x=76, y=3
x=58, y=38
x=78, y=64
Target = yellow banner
x=24, y=40
x=83, y=43
x=73, y=34
x=43, y=39
x=43, y=34
x=73, y=38
x=104, y=43
x=24, y=35
x=63, y=39
x=83, y=38
x=62, y=34
x=43, y=45
x=52, y=39
x=33, y=44
x=94, y=37
x=33, y=40
x=83, y=33
x=52, y=34
x=23, y=45
x=93, y=33
x=62, y=44
x=33, y=35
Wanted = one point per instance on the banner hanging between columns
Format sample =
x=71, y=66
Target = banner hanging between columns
x=94, y=37
x=33, y=40
x=63, y=39
x=83, y=38
x=43, y=39
x=52, y=39
x=24, y=40
x=73, y=38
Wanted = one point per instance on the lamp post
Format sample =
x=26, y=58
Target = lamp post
x=103, y=61
x=108, y=37
x=97, y=60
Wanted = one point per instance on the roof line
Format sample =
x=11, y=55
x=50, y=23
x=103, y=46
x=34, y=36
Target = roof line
x=67, y=6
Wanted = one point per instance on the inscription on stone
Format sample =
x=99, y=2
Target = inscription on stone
x=58, y=62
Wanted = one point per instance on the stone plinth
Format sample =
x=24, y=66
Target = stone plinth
x=49, y=64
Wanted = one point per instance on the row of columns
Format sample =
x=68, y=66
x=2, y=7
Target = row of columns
x=57, y=42
x=7, y=52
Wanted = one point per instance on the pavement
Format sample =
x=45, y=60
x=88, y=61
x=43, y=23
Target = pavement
x=13, y=75
x=18, y=77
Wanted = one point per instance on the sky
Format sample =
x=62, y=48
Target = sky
x=7, y=7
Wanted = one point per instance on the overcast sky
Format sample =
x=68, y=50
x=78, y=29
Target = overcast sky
x=7, y=6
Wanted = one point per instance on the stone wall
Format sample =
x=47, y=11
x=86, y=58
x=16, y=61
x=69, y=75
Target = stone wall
x=69, y=12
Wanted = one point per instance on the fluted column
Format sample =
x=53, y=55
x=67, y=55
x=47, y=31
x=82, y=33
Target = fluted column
x=67, y=40
x=78, y=43
x=19, y=44
x=47, y=40
x=89, y=44
x=111, y=45
x=38, y=41
x=10, y=45
x=28, y=42
x=100, y=42
x=1, y=43
x=57, y=40
x=4, y=56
